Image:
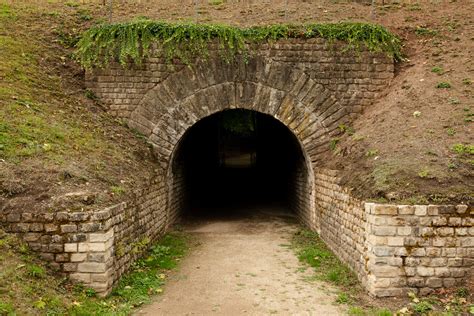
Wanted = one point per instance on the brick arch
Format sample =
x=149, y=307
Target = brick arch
x=278, y=89
x=306, y=107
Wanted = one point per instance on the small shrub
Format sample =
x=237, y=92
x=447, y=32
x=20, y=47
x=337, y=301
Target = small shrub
x=356, y=311
x=117, y=190
x=443, y=85
x=36, y=271
x=451, y=131
x=371, y=152
x=437, y=70
x=342, y=298
x=462, y=149
x=462, y=292
x=422, y=307
x=90, y=95
x=425, y=31
x=424, y=173
x=90, y=292
x=346, y=129
x=467, y=81
x=7, y=309
x=333, y=143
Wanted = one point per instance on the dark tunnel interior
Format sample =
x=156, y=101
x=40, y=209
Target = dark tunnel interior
x=237, y=159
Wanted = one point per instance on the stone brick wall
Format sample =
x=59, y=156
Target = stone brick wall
x=394, y=249
x=418, y=248
x=342, y=221
x=310, y=86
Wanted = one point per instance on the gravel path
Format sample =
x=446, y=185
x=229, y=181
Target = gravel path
x=243, y=266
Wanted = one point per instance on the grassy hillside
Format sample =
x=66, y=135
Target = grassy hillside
x=58, y=148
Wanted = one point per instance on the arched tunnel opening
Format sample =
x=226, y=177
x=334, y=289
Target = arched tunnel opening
x=234, y=161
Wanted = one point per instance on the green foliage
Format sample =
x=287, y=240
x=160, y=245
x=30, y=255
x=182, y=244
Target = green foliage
x=462, y=292
x=437, y=70
x=424, y=173
x=36, y=271
x=117, y=190
x=425, y=31
x=133, y=41
x=7, y=309
x=451, y=131
x=467, y=81
x=90, y=292
x=371, y=152
x=333, y=143
x=343, y=298
x=443, y=85
x=463, y=149
x=346, y=129
x=422, y=307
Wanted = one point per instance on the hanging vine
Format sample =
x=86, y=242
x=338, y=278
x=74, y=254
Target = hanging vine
x=133, y=41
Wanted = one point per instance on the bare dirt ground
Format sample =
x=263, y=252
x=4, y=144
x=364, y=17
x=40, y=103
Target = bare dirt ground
x=244, y=266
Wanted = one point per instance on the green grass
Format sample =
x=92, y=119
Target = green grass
x=311, y=250
x=443, y=85
x=462, y=149
x=359, y=311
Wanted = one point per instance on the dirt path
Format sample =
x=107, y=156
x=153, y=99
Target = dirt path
x=243, y=267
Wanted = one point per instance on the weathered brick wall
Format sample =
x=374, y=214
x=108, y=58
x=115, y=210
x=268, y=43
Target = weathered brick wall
x=418, y=248
x=394, y=249
x=342, y=221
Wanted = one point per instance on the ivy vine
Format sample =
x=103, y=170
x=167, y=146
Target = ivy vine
x=134, y=41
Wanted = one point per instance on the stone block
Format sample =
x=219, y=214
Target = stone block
x=421, y=210
x=78, y=257
x=383, y=251
x=404, y=231
x=461, y=209
x=92, y=247
x=445, y=231
x=69, y=228
x=70, y=247
x=416, y=282
x=49, y=228
x=381, y=209
x=424, y=271
x=440, y=221
x=81, y=277
x=395, y=241
x=384, y=230
x=91, y=267
x=449, y=282
x=406, y=210
x=62, y=257
x=101, y=237
x=70, y=267
x=13, y=217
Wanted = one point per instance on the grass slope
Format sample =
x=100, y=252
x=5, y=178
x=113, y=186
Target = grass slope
x=58, y=148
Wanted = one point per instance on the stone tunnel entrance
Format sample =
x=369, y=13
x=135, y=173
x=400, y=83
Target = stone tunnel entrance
x=236, y=160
